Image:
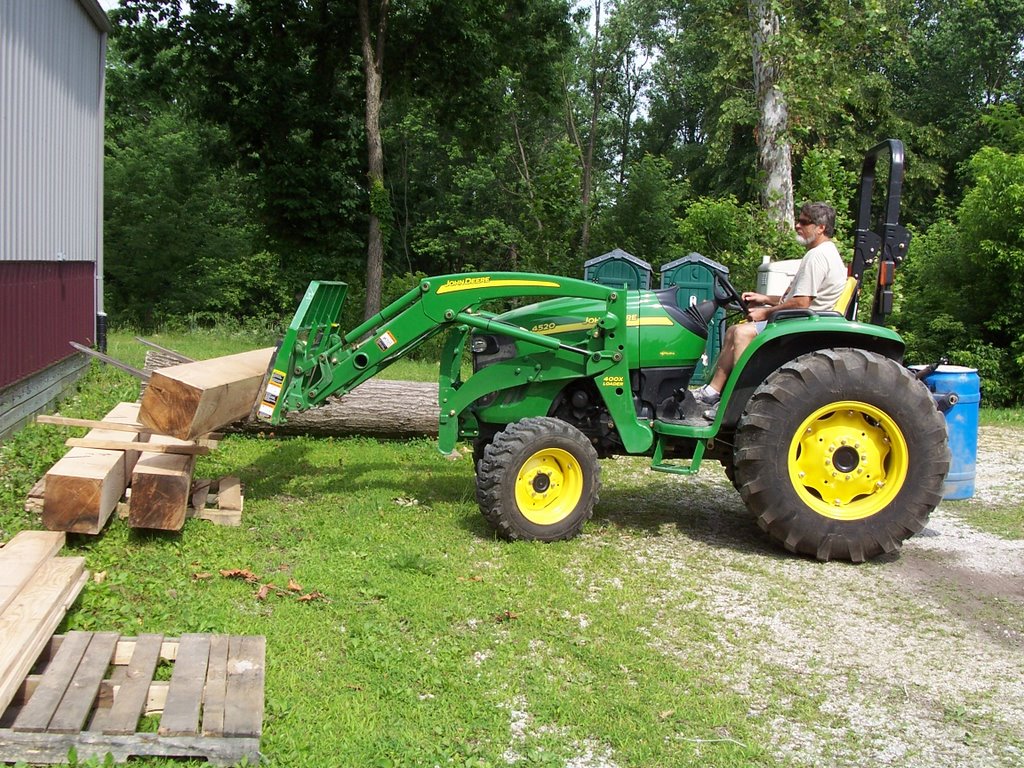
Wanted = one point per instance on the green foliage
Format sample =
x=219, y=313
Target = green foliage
x=963, y=293
x=236, y=154
x=178, y=237
x=1004, y=124
x=736, y=235
x=826, y=177
x=643, y=218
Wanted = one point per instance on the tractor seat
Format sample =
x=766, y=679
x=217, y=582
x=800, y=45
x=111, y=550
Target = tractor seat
x=840, y=309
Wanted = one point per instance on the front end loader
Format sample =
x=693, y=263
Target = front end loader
x=832, y=443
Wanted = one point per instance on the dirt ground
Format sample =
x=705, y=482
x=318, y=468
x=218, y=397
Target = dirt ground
x=912, y=660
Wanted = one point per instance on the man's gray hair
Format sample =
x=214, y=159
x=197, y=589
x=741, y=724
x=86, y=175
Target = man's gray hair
x=822, y=214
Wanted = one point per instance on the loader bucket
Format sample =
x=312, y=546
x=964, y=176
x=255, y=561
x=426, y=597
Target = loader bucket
x=312, y=332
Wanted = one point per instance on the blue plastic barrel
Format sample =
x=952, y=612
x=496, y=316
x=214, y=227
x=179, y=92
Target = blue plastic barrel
x=957, y=391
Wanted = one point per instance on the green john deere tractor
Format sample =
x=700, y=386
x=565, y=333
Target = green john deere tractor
x=832, y=443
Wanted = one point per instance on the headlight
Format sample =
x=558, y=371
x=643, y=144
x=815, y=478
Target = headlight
x=483, y=345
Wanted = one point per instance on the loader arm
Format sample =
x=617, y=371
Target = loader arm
x=315, y=360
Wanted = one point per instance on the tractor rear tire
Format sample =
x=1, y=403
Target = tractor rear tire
x=841, y=454
x=538, y=480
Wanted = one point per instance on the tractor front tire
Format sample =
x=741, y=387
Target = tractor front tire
x=841, y=454
x=538, y=480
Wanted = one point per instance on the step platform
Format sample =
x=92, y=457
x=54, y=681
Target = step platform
x=200, y=696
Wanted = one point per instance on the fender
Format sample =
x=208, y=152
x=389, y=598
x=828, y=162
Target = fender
x=784, y=340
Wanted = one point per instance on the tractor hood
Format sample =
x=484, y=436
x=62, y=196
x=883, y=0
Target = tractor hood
x=658, y=332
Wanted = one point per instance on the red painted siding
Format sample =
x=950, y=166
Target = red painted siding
x=43, y=306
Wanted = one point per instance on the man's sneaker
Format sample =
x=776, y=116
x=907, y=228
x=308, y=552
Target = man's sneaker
x=701, y=396
x=711, y=413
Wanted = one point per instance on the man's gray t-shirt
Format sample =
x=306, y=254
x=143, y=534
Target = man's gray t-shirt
x=821, y=275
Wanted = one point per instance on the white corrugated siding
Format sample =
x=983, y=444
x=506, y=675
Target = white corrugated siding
x=51, y=132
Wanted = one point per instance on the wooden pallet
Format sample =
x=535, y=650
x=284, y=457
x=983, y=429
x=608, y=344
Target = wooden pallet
x=219, y=501
x=211, y=708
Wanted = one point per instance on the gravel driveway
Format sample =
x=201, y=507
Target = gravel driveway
x=909, y=660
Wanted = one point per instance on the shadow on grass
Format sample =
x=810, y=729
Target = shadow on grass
x=288, y=469
x=718, y=520
x=708, y=513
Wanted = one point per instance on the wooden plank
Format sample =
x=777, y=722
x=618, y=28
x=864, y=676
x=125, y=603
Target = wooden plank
x=191, y=399
x=35, y=716
x=219, y=516
x=185, y=695
x=130, y=698
x=105, y=698
x=215, y=698
x=126, y=649
x=156, y=696
x=52, y=748
x=229, y=494
x=83, y=488
x=243, y=714
x=141, y=375
x=114, y=426
x=21, y=557
x=78, y=700
x=161, y=485
x=29, y=621
x=187, y=449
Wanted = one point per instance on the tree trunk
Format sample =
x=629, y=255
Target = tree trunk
x=377, y=408
x=596, y=88
x=373, y=64
x=773, y=151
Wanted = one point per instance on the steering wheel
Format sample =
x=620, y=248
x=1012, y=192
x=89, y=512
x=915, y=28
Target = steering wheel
x=726, y=294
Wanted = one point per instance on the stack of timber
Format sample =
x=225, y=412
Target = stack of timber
x=82, y=489
x=36, y=590
x=89, y=691
x=219, y=501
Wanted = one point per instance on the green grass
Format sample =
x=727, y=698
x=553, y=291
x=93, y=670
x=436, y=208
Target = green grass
x=1003, y=520
x=1001, y=417
x=432, y=643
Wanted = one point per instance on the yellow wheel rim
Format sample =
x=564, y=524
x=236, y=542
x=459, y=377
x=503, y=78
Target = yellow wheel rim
x=848, y=460
x=549, y=486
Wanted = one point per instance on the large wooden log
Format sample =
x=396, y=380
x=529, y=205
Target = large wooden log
x=377, y=408
x=192, y=399
x=161, y=488
x=82, y=489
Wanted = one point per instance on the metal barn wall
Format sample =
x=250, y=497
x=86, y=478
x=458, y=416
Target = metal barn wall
x=30, y=292
x=51, y=179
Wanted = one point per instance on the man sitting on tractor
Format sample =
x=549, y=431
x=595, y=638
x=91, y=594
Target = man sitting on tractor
x=817, y=285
